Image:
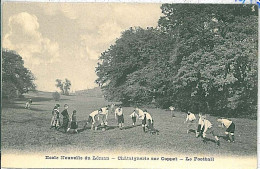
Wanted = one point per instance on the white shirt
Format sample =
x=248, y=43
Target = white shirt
x=190, y=117
x=134, y=114
x=104, y=111
x=226, y=122
x=119, y=111
x=206, y=124
x=171, y=108
x=93, y=114
x=148, y=116
x=140, y=113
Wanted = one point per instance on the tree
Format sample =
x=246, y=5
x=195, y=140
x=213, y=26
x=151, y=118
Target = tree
x=16, y=79
x=63, y=86
x=201, y=58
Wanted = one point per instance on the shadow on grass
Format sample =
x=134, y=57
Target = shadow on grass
x=223, y=137
x=21, y=106
x=129, y=127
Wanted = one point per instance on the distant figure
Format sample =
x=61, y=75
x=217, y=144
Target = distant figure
x=28, y=104
x=172, y=110
x=230, y=129
x=103, y=116
x=55, y=121
x=207, y=127
x=120, y=117
x=65, y=114
x=93, y=119
x=74, y=125
x=190, y=120
x=134, y=115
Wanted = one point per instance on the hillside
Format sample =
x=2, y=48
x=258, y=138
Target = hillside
x=95, y=92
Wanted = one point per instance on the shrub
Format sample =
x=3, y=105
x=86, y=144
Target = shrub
x=56, y=96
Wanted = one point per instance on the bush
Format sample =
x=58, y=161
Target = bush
x=56, y=96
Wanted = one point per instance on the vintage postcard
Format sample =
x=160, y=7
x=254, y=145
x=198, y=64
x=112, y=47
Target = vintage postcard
x=129, y=85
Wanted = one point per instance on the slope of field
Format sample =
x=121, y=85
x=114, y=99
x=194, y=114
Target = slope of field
x=29, y=131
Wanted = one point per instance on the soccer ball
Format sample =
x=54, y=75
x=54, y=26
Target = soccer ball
x=103, y=129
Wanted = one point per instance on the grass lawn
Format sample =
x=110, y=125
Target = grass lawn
x=29, y=131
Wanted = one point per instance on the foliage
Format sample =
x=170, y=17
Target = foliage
x=16, y=79
x=201, y=58
x=63, y=86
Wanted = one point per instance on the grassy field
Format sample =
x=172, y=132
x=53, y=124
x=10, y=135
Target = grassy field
x=29, y=131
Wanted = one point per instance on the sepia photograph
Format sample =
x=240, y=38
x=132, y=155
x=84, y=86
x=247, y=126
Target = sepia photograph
x=129, y=85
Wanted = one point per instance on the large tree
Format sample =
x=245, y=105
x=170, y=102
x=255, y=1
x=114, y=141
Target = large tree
x=200, y=57
x=16, y=79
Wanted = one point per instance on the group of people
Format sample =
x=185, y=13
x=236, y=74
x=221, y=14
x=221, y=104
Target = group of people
x=100, y=117
x=204, y=126
x=68, y=124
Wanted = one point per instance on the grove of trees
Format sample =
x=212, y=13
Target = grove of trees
x=16, y=79
x=201, y=58
x=64, y=86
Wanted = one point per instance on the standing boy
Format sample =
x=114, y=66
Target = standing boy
x=149, y=120
x=142, y=116
x=55, y=121
x=190, y=120
x=172, y=110
x=93, y=119
x=230, y=129
x=65, y=114
x=134, y=115
x=120, y=117
x=104, y=115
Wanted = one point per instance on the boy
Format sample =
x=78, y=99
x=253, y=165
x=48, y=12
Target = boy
x=55, y=121
x=190, y=120
x=149, y=120
x=93, y=118
x=206, y=126
x=230, y=129
x=65, y=114
x=142, y=116
x=28, y=104
x=134, y=115
x=104, y=115
x=198, y=132
x=120, y=117
x=74, y=124
x=172, y=109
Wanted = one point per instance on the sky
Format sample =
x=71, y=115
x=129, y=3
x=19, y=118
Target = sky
x=65, y=40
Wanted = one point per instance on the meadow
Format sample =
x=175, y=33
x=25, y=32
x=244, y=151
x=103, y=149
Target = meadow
x=25, y=130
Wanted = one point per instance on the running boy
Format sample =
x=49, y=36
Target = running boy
x=190, y=120
x=206, y=126
x=134, y=115
x=93, y=119
x=120, y=117
x=230, y=129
